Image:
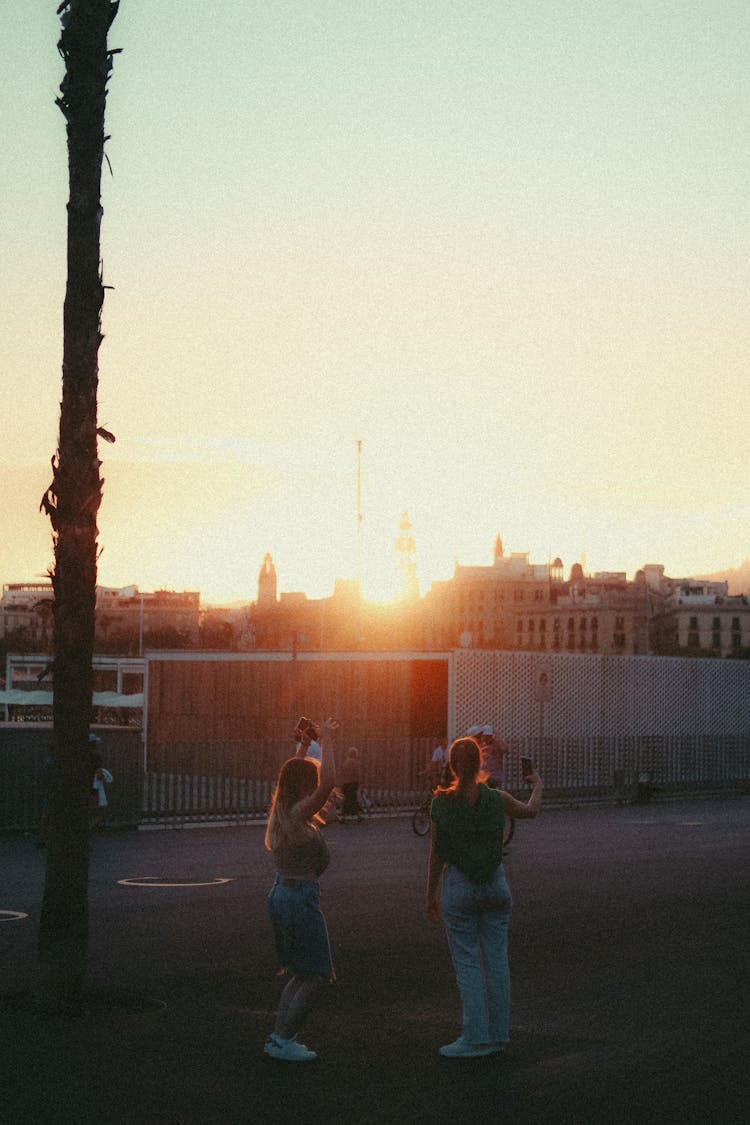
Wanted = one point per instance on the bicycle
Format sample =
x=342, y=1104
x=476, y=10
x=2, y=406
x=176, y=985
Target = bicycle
x=420, y=821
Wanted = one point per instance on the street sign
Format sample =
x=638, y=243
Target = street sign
x=543, y=684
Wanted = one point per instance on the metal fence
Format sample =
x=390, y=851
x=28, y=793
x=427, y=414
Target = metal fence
x=203, y=782
x=586, y=768
x=593, y=726
x=210, y=783
x=25, y=774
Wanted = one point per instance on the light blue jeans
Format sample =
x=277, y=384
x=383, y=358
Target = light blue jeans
x=477, y=918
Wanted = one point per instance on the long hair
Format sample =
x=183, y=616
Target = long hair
x=464, y=759
x=298, y=778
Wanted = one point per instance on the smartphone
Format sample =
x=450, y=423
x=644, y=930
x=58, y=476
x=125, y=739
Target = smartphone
x=527, y=767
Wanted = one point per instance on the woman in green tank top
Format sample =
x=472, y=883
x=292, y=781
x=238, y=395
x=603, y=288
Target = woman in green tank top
x=466, y=857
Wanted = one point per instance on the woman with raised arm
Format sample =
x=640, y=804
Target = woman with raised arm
x=467, y=853
x=301, y=856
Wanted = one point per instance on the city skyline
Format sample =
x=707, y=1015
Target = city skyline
x=503, y=246
x=738, y=578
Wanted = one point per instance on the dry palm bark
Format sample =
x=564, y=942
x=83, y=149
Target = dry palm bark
x=72, y=503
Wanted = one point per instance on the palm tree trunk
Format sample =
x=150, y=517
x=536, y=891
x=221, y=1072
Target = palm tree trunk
x=72, y=502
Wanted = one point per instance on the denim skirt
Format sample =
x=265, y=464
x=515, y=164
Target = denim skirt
x=299, y=928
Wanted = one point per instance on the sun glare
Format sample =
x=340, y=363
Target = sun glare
x=381, y=586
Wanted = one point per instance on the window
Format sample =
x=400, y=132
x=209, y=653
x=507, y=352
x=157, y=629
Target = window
x=619, y=633
x=571, y=634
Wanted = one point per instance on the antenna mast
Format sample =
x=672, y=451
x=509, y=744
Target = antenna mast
x=359, y=514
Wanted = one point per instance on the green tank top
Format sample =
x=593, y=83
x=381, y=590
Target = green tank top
x=470, y=837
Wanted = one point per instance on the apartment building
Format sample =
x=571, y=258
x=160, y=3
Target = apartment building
x=126, y=619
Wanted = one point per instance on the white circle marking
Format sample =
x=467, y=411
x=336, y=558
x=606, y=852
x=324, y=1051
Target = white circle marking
x=154, y=881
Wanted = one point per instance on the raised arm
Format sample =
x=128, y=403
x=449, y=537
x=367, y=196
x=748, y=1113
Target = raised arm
x=525, y=810
x=307, y=808
x=328, y=746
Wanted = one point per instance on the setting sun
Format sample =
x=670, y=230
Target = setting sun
x=514, y=270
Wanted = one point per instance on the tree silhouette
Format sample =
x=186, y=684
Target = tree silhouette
x=72, y=503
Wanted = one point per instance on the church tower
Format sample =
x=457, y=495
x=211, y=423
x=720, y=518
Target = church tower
x=407, y=560
x=267, y=584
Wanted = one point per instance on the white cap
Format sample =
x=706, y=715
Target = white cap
x=487, y=729
x=475, y=730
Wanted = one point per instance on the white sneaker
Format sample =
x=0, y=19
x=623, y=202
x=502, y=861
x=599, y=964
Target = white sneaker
x=288, y=1050
x=461, y=1049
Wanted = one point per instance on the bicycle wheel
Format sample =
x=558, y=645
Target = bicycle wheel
x=509, y=828
x=420, y=821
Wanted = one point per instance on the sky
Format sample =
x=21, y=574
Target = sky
x=501, y=243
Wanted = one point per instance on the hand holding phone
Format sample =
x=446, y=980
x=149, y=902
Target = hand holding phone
x=527, y=767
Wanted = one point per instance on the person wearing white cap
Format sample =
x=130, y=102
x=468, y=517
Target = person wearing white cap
x=493, y=751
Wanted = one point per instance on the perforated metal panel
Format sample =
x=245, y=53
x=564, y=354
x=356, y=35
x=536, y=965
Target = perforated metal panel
x=591, y=720
x=598, y=695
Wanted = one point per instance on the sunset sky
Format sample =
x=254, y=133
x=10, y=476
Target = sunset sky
x=504, y=244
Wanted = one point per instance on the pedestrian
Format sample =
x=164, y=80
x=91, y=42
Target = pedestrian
x=349, y=784
x=100, y=776
x=492, y=751
x=438, y=764
x=301, y=856
x=467, y=853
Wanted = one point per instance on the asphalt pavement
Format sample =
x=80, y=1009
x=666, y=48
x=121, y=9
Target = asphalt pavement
x=628, y=961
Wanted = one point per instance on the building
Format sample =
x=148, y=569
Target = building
x=293, y=622
x=26, y=614
x=479, y=606
x=127, y=620
x=706, y=620
x=518, y=605
x=511, y=604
